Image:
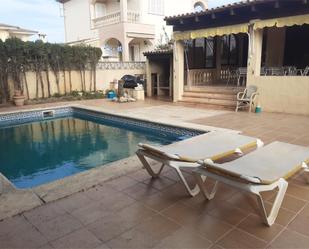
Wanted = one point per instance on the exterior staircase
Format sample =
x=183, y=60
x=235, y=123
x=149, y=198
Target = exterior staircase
x=212, y=96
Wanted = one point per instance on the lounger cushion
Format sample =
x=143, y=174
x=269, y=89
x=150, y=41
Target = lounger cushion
x=213, y=145
x=268, y=164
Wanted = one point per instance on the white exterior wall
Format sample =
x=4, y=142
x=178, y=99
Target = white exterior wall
x=77, y=21
x=79, y=13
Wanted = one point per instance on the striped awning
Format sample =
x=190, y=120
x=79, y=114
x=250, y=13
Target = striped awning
x=282, y=22
x=211, y=32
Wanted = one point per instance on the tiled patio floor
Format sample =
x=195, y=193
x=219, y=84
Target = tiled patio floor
x=135, y=211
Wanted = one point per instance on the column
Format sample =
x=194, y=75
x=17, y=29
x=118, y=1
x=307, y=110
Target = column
x=124, y=10
x=255, y=53
x=178, y=61
x=148, y=78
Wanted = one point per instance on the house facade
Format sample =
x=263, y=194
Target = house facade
x=259, y=42
x=8, y=31
x=124, y=29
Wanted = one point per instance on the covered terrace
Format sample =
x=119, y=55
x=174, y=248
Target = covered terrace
x=260, y=42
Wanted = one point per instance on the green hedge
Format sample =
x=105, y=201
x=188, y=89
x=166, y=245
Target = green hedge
x=18, y=57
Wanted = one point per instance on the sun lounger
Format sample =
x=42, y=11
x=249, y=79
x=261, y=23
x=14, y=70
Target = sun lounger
x=185, y=154
x=262, y=170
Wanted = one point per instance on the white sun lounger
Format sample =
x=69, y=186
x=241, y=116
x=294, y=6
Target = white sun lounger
x=262, y=170
x=185, y=154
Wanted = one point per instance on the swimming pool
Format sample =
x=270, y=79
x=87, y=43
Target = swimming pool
x=39, y=147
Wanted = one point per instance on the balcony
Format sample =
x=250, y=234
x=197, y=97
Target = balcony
x=115, y=18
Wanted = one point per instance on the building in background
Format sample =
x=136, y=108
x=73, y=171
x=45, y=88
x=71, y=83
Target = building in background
x=124, y=29
x=8, y=31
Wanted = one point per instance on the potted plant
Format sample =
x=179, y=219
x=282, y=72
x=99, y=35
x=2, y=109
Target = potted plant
x=18, y=98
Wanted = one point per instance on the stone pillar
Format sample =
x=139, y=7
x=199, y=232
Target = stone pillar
x=255, y=53
x=178, y=62
x=148, y=78
x=124, y=10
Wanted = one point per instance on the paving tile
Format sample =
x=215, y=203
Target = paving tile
x=285, y=216
x=291, y=203
x=74, y=202
x=79, y=239
x=239, y=239
x=145, y=235
x=140, y=175
x=121, y=183
x=23, y=238
x=182, y=214
x=111, y=226
x=245, y=202
x=228, y=213
x=58, y=227
x=184, y=238
x=159, y=201
x=298, y=191
x=301, y=222
x=14, y=225
x=289, y=239
x=44, y=213
x=159, y=183
x=210, y=227
x=254, y=225
x=100, y=192
x=140, y=191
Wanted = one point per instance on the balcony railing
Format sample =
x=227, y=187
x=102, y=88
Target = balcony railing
x=114, y=18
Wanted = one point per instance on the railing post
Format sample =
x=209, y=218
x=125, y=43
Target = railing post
x=124, y=10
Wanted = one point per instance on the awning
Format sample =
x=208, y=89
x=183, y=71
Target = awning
x=282, y=22
x=211, y=32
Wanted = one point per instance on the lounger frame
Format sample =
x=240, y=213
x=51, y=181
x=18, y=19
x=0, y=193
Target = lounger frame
x=174, y=162
x=256, y=189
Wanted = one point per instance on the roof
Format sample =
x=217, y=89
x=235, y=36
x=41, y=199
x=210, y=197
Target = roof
x=159, y=52
x=239, y=12
x=16, y=29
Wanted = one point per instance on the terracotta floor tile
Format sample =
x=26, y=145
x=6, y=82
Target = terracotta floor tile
x=301, y=222
x=121, y=183
x=298, y=191
x=140, y=175
x=140, y=191
x=210, y=227
x=159, y=201
x=74, y=202
x=254, y=225
x=285, y=216
x=14, y=225
x=111, y=226
x=239, y=239
x=23, y=238
x=228, y=213
x=159, y=183
x=44, y=213
x=82, y=239
x=244, y=201
x=289, y=239
x=184, y=238
x=145, y=235
x=182, y=213
x=291, y=203
x=100, y=192
x=58, y=227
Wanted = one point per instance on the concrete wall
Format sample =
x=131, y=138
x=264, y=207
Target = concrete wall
x=104, y=77
x=287, y=94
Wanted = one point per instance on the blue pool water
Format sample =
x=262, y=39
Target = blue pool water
x=35, y=153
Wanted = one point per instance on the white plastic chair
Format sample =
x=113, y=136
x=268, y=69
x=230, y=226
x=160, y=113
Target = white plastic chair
x=247, y=97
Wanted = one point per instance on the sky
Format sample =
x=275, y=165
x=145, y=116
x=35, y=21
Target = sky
x=44, y=15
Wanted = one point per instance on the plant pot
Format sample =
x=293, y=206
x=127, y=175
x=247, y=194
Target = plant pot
x=19, y=100
x=17, y=93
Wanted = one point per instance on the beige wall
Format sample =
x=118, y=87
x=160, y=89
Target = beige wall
x=104, y=77
x=287, y=94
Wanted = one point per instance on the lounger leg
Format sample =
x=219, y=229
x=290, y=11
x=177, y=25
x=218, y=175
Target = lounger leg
x=193, y=192
x=209, y=195
x=147, y=165
x=306, y=170
x=270, y=219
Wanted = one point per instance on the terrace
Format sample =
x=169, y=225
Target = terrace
x=134, y=211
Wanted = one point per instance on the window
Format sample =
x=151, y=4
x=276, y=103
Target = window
x=200, y=53
x=229, y=50
x=198, y=7
x=100, y=10
x=156, y=7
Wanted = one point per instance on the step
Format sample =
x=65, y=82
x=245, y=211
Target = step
x=203, y=95
x=210, y=101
